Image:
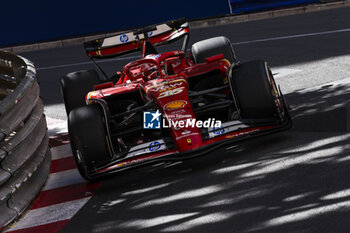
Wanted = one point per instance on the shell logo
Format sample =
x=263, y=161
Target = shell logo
x=175, y=105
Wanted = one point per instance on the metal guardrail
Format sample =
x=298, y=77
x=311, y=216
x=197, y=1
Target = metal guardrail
x=24, y=152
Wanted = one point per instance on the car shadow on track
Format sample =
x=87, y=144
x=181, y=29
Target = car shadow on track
x=291, y=182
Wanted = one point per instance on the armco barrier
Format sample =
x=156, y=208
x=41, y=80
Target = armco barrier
x=24, y=152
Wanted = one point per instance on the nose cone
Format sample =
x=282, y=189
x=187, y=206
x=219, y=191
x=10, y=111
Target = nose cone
x=183, y=129
x=189, y=142
x=172, y=98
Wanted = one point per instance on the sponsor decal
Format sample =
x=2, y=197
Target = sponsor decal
x=173, y=85
x=145, y=148
x=242, y=133
x=151, y=120
x=226, y=128
x=154, y=146
x=171, y=92
x=175, y=105
x=124, y=38
x=139, y=160
x=153, y=56
x=166, y=85
x=187, y=135
x=176, y=63
x=186, y=132
x=150, y=33
x=177, y=116
x=218, y=131
x=178, y=112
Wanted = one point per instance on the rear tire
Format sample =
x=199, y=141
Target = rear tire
x=252, y=84
x=75, y=86
x=88, y=137
x=211, y=47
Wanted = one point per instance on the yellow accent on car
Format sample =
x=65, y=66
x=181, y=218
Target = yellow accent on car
x=175, y=104
x=228, y=62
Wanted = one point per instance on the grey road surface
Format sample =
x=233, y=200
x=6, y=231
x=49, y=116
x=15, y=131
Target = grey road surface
x=291, y=182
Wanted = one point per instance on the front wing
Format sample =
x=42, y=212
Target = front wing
x=152, y=152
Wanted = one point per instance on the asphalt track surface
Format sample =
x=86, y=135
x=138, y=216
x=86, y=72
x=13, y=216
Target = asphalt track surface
x=294, y=181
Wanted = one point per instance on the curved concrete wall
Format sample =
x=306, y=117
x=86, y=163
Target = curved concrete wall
x=24, y=149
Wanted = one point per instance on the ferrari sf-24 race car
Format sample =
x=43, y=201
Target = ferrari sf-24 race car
x=166, y=106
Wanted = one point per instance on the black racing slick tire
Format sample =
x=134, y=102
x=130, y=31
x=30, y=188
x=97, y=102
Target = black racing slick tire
x=88, y=137
x=252, y=84
x=211, y=47
x=75, y=86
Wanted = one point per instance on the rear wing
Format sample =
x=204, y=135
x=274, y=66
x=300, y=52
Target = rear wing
x=131, y=41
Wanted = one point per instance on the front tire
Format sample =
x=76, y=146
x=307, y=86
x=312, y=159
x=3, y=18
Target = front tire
x=75, y=86
x=88, y=137
x=252, y=84
x=211, y=47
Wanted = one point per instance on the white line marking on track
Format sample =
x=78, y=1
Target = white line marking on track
x=234, y=43
x=65, y=65
x=49, y=214
x=64, y=178
x=293, y=36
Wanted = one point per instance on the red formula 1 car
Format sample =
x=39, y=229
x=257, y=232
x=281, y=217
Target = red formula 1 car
x=166, y=106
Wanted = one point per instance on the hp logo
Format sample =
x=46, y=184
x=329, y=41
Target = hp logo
x=124, y=38
x=154, y=146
